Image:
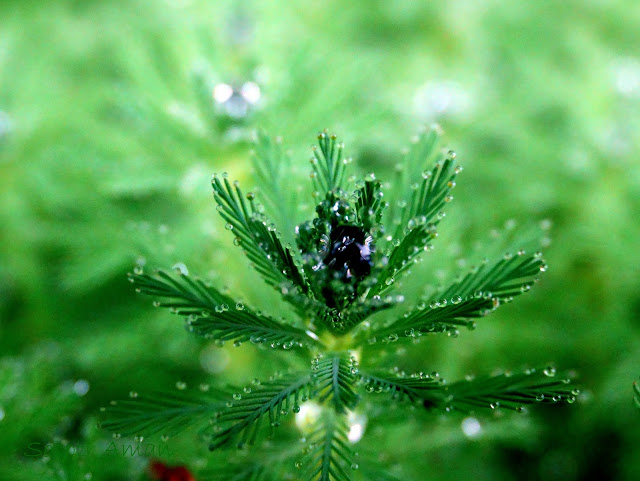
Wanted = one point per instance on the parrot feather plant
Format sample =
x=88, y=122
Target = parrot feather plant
x=343, y=268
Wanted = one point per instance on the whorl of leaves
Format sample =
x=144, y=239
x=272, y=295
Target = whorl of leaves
x=214, y=315
x=345, y=262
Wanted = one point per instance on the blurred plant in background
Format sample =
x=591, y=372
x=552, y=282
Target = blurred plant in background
x=110, y=129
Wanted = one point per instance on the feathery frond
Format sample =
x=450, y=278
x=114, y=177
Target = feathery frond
x=258, y=238
x=477, y=294
x=243, y=471
x=369, y=205
x=335, y=376
x=168, y=413
x=242, y=416
x=328, y=164
x=511, y=391
x=417, y=215
x=272, y=166
x=416, y=387
x=330, y=458
x=214, y=315
x=420, y=155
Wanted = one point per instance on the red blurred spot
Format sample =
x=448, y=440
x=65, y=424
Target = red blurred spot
x=162, y=472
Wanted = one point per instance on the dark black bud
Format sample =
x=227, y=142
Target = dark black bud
x=350, y=252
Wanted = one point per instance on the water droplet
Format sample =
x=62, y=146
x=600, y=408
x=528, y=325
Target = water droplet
x=181, y=385
x=354, y=466
x=448, y=198
x=549, y=371
x=164, y=438
x=471, y=427
x=456, y=300
x=543, y=267
x=247, y=390
x=204, y=387
x=298, y=464
x=540, y=397
x=181, y=269
x=81, y=387
x=133, y=394
x=240, y=306
x=228, y=226
x=237, y=396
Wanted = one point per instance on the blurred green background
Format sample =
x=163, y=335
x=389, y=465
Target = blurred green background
x=114, y=115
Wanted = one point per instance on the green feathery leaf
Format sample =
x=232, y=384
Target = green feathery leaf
x=335, y=377
x=421, y=154
x=509, y=391
x=416, y=387
x=243, y=414
x=330, y=459
x=475, y=295
x=258, y=238
x=373, y=470
x=369, y=205
x=328, y=165
x=224, y=471
x=214, y=315
x=418, y=214
x=273, y=169
x=165, y=413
